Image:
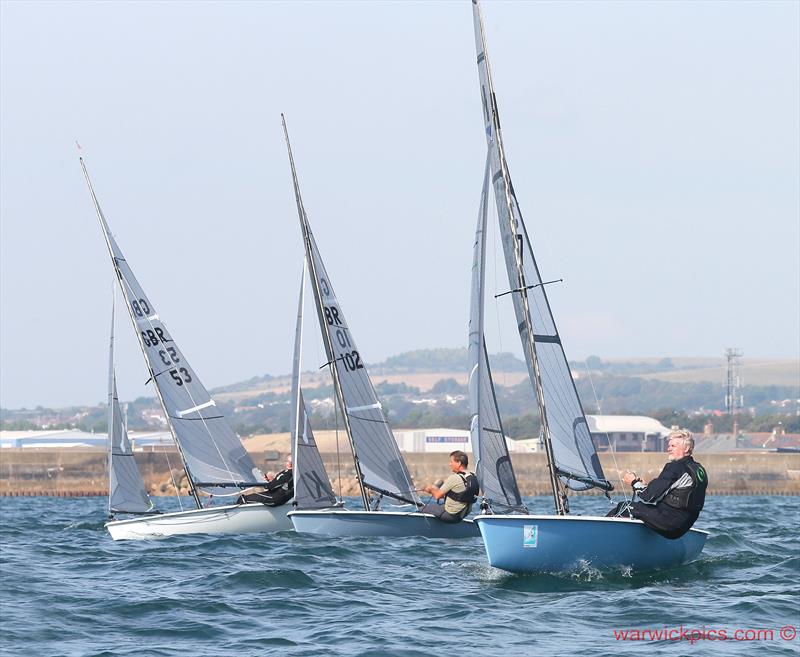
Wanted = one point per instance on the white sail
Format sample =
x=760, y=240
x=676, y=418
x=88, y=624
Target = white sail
x=312, y=486
x=212, y=454
x=126, y=493
x=375, y=450
x=493, y=465
x=573, y=451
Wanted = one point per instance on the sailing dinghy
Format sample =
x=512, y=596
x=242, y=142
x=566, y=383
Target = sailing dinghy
x=381, y=472
x=213, y=457
x=525, y=543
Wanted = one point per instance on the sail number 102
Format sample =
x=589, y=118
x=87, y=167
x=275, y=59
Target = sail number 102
x=352, y=361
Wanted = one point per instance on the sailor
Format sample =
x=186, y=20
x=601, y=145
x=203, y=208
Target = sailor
x=459, y=490
x=671, y=502
x=278, y=490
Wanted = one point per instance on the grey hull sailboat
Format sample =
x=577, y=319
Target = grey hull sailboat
x=532, y=543
x=216, y=463
x=382, y=474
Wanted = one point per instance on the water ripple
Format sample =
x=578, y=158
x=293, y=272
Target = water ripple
x=68, y=589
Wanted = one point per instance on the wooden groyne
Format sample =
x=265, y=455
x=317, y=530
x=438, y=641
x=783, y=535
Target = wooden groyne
x=82, y=472
x=43, y=492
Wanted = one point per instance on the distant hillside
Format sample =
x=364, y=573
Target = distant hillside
x=444, y=360
x=451, y=362
x=428, y=388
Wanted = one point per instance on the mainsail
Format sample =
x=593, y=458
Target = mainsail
x=312, y=487
x=493, y=465
x=375, y=450
x=212, y=454
x=126, y=492
x=573, y=451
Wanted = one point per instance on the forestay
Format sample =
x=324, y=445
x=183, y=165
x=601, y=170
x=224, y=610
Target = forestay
x=212, y=453
x=493, y=465
x=312, y=488
x=126, y=492
x=574, y=453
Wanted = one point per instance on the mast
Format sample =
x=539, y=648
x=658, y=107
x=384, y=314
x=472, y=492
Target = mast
x=111, y=387
x=296, y=368
x=522, y=286
x=337, y=385
x=105, y=229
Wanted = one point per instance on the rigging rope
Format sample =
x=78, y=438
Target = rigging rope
x=608, y=438
x=336, y=432
x=174, y=485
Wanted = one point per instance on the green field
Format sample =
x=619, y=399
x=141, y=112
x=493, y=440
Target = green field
x=753, y=371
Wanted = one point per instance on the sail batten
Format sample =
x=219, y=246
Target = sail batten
x=573, y=452
x=211, y=451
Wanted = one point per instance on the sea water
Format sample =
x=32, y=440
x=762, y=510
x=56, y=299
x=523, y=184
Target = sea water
x=68, y=589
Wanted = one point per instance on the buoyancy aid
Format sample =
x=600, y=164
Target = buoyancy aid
x=685, y=495
x=470, y=492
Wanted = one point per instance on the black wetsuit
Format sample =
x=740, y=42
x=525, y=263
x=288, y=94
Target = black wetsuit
x=275, y=493
x=671, y=502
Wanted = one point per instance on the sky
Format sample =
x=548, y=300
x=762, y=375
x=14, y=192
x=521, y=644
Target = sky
x=654, y=149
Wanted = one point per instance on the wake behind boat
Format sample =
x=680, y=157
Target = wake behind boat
x=381, y=472
x=522, y=542
x=215, y=461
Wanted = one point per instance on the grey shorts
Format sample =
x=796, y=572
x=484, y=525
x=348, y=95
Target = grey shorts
x=438, y=511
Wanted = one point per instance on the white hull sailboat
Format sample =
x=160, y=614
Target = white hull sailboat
x=521, y=542
x=214, y=459
x=381, y=472
x=230, y=519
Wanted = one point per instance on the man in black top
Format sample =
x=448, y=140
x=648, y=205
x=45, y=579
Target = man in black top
x=671, y=502
x=277, y=491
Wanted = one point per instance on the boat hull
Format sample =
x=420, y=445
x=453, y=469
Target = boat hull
x=341, y=522
x=231, y=519
x=531, y=544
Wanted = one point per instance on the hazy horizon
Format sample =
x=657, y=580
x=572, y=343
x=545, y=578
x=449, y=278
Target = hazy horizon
x=148, y=392
x=654, y=149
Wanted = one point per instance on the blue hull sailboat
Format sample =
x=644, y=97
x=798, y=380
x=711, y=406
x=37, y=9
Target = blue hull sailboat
x=541, y=543
x=514, y=539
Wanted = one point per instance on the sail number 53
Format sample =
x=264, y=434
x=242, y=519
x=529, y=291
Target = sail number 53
x=180, y=376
